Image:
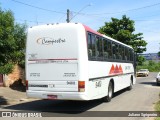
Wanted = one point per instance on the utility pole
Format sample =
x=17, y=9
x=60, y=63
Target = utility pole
x=68, y=16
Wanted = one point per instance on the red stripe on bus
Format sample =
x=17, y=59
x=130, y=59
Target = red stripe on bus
x=54, y=59
x=88, y=29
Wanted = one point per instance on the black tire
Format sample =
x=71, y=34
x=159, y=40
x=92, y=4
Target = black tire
x=131, y=85
x=110, y=93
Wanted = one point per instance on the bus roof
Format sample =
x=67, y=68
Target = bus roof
x=87, y=29
x=95, y=32
x=91, y=30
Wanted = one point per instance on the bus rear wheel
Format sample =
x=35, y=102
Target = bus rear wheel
x=110, y=93
x=131, y=85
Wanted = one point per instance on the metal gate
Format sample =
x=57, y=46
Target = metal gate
x=1, y=80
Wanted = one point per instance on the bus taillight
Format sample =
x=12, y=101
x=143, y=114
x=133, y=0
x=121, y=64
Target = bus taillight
x=81, y=86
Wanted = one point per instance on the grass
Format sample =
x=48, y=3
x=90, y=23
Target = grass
x=157, y=108
x=151, y=66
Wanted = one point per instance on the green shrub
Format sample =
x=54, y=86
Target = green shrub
x=6, y=69
x=150, y=65
x=157, y=108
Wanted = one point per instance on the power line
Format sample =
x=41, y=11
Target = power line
x=152, y=15
x=147, y=30
x=124, y=10
x=148, y=20
x=107, y=18
x=29, y=21
x=83, y=14
x=44, y=9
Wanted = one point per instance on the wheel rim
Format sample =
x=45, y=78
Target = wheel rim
x=110, y=91
x=131, y=84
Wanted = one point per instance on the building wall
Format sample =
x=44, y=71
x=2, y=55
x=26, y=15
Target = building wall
x=18, y=74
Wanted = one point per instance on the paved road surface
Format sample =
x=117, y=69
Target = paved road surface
x=141, y=98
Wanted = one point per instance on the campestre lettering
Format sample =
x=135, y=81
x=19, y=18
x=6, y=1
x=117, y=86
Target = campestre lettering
x=49, y=41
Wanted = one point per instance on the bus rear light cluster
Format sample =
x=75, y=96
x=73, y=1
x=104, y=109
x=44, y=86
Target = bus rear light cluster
x=81, y=86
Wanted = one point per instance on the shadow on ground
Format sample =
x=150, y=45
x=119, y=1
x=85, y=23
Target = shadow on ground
x=59, y=106
x=17, y=85
x=3, y=101
x=56, y=106
x=149, y=83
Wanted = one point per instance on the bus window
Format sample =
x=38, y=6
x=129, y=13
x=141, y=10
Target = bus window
x=123, y=53
x=109, y=49
x=99, y=51
x=105, y=49
x=115, y=50
x=126, y=54
x=91, y=47
x=120, y=52
x=131, y=55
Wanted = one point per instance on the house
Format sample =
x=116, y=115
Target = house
x=151, y=56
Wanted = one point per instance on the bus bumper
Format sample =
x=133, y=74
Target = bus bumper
x=57, y=95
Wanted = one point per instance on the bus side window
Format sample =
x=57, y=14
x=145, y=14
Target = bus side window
x=99, y=50
x=89, y=46
x=117, y=51
x=131, y=55
x=123, y=53
x=120, y=52
x=114, y=50
x=105, y=49
x=93, y=47
x=109, y=49
x=126, y=53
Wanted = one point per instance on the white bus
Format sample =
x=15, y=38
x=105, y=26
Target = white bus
x=70, y=61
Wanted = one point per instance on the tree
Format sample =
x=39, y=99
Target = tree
x=159, y=54
x=141, y=60
x=18, y=56
x=122, y=30
x=12, y=41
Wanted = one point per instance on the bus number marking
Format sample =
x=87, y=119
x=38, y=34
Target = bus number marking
x=98, y=84
x=71, y=83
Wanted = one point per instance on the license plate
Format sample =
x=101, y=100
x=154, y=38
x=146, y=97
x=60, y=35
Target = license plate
x=51, y=86
x=52, y=97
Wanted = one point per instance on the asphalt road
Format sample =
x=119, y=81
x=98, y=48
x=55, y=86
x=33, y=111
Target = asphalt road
x=142, y=97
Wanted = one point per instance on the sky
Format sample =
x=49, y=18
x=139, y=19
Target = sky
x=93, y=13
